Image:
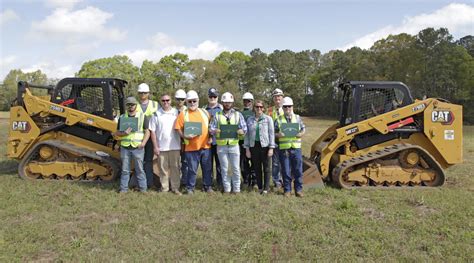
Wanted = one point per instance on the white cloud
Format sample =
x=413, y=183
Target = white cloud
x=77, y=24
x=162, y=45
x=52, y=69
x=62, y=3
x=8, y=15
x=458, y=18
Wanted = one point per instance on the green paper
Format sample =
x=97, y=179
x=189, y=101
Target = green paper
x=290, y=129
x=126, y=122
x=228, y=131
x=192, y=128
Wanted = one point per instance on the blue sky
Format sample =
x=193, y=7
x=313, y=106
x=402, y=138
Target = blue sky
x=57, y=36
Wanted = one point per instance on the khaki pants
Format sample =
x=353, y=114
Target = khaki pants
x=169, y=163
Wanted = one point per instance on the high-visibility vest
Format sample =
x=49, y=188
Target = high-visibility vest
x=204, y=117
x=135, y=138
x=151, y=108
x=275, y=113
x=234, y=119
x=291, y=142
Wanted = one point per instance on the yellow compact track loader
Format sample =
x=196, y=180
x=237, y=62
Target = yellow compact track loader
x=67, y=134
x=385, y=138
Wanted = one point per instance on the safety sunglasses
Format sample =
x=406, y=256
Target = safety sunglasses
x=287, y=106
x=141, y=93
x=258, y=107
x=165, y=100
x=192, y=101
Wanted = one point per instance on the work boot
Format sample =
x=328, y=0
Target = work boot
x=176, y=192
x=299, y=194
x=287, y=194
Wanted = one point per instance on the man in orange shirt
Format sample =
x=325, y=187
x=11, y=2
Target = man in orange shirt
x=197, y=149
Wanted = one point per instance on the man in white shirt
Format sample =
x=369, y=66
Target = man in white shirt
x=166, y=145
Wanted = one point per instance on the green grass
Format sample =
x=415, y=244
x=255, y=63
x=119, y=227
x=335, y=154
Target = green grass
x=83, y=222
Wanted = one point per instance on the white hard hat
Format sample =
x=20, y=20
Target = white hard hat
x=143, y=88
x=247, y=96
x=180, y=94
x=287, y=101
x=277, y=92
x=227, y=97
x=192, y=95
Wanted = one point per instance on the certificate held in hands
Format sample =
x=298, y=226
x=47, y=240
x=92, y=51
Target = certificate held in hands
x=290, y=129
x=228, y=131
x=192, y=128
x=127, y=122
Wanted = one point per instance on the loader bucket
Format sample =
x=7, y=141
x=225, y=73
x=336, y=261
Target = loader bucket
x=311, y=174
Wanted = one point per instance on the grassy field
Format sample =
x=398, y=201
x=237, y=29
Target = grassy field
x=49, y=221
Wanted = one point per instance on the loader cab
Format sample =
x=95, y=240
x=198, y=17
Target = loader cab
x=102, y=97
x=363, y=100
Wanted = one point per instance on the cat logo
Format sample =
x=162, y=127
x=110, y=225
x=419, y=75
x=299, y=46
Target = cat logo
x=21, y=126
x=445, y=117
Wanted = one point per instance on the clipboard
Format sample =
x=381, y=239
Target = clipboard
x=192, y=128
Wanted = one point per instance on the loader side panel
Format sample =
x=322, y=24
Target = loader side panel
x=23, y=132
x=443, y=127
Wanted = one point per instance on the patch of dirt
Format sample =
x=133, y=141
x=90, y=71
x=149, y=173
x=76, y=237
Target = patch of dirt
x=202, y=226
x=372, y=213
x=44, y=256
x=424, y=210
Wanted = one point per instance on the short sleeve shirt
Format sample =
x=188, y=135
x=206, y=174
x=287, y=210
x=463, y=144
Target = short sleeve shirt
x=198, y=142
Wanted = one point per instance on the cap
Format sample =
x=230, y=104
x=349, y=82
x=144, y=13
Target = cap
x=212, y=92
x=131, y=100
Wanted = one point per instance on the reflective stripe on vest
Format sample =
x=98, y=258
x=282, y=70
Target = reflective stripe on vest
x=151, y=108
x=204, y=117
x=135, y=138
x=234, y=119
x=276, y=113
x=291, y=142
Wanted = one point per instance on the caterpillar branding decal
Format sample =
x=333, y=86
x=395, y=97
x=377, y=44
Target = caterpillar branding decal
x=21, y=126
x=56, y=108
x=352, y=130
x=418, y=107
x=445, y=117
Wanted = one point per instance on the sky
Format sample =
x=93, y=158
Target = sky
x=58, y=36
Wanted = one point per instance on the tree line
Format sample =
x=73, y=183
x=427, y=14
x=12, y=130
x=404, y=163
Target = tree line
x=431, y=63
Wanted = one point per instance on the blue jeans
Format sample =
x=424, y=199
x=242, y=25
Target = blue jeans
x=127, y=155
x=291, y=161
x=148, y=162
x=276, y=168
x=215, y=157
x=230, y=155
x=147, y=166
x=194, y=158
x=184, y=170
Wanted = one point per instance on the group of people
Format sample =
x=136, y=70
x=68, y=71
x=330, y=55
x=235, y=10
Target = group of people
x=175, y=141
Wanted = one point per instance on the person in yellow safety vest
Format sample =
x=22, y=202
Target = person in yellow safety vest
x=180, y=97
x=132, y=145
x=291, y=159
x=197, y=146
x=228, y=148
x=149, y=107
x=275, y=112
